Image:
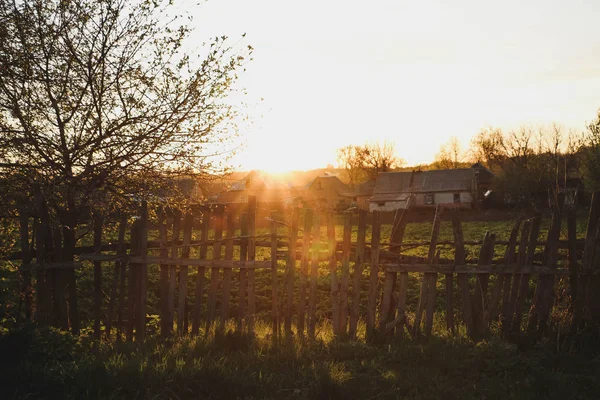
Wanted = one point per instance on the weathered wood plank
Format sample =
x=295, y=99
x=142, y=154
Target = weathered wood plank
x=290, y=271
x=314, y=270
x=357, y=272
x=98, y=224
x=214, y=272
x=463, y=278
x=188, y=222
x=432, y=257
x=116, y=275
x=540, y=311
x=480, y=291
x=173, y=270
x=346, y=243
x=243, y=289
x=164, y=275
x=524, y=277
x=227, y=272
x=502, y=288
x=335, y=285
x=304, y=263
x=373, y=274
x=140, y=330
x=252, y=257
x=27, y=289
x=509, y=312
x=201, y=275
x=274, y=282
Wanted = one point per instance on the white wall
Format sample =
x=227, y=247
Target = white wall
x=387, y=206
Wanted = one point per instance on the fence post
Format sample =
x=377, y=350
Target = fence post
x=373, y=275
x=274, y=284
x=357, y=272
x=201, y=276
x=188, y=221
x=123, y=273
x=526, y=278
x=502, y=287
x=27, y=290
x=243, y=274
x=117, y=273
x=165, y=325
x=173, y=270
x=227, y=272
x=251, y=257
x=214, y=271
x=584, y=295
x=304, y=262
x=290, y=272
x=432, y=258
x=58, y=279
x=314, y=270
x=540, y=310
x=343, y=320
x=463, y=279
x=98, y=222
x=142, y=244
x=335, y=284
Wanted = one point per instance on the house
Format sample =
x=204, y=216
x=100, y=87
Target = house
x=256, y=183
x=460, y=188
x=327, y=191
x=363, y=193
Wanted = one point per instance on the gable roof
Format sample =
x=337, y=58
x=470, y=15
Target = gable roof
x=392, y=182
x=443, y=180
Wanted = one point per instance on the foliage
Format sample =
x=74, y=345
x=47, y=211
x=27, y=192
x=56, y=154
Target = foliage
x=99, y=103
x=531, y=165
x=591, y=154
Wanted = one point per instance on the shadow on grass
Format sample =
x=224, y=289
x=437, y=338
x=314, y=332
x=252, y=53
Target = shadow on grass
x=49, y=364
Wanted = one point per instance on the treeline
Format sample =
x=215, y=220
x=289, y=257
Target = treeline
x=531, y=164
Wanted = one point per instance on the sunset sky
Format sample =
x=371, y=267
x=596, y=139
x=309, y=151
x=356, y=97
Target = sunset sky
x=414, y=72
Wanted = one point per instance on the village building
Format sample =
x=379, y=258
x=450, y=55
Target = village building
x=363, y=193
x=458, y=188
x=327, y=192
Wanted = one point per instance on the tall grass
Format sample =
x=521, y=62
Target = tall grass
x=38, y=364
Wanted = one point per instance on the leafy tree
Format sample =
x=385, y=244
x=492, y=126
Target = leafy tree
x=98, y=100
x=530, y=164
x=590, y=151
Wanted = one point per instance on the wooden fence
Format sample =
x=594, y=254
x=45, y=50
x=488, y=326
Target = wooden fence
x=515, y=295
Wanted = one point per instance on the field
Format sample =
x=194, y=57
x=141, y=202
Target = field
x=48, y=364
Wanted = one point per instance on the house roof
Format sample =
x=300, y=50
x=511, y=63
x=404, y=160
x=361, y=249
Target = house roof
x=392, y=182
x=444, y=180
x=365, y=188
x=335, y=183
x=383, y=197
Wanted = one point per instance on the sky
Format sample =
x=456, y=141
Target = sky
x=334, y=72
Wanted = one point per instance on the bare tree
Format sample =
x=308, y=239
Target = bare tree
x=366, y=161
x=450, y=155
x=348, y=159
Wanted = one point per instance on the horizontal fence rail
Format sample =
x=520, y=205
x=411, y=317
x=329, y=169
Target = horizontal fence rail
x=211, y=266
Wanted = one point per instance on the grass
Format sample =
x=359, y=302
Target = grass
x=45, y=363
x=39, y=364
